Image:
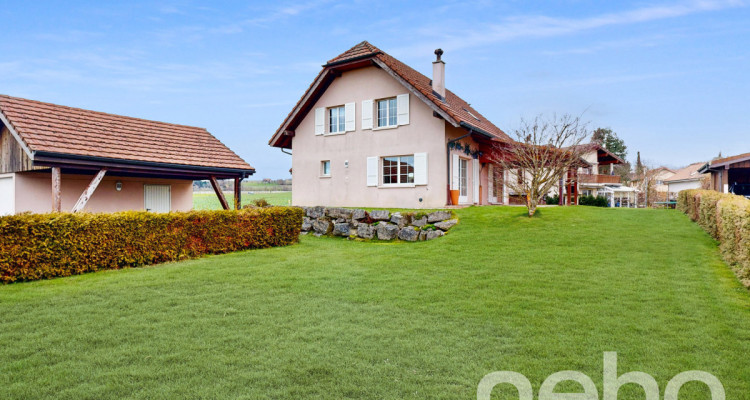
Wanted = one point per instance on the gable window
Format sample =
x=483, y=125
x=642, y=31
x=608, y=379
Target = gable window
x=387, y=112
x=398, y=170
x=336, y=120
x=325, y=168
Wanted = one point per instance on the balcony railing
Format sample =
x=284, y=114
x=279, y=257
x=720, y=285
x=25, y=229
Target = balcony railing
x=596, y=178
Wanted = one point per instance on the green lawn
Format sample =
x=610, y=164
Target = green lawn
x=209, y=201
x=329, y=318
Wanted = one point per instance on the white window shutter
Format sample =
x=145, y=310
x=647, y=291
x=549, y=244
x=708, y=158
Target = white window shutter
x=349, y=111
x=402, y=106
x=320, y=121
x=475, y=176
x=420, y=168
x=366, y=114
x=372, y=171
x=454, y=172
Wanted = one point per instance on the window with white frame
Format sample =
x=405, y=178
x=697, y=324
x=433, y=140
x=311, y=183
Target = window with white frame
x=325, y=168
x=337, y=120
x=387, y=112
x=398, y=170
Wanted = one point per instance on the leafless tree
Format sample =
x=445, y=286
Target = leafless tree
x=543, y=151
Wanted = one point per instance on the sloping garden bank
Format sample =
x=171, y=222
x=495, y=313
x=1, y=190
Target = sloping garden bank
x=726, y=217
x=377, y=224
x=42, y=246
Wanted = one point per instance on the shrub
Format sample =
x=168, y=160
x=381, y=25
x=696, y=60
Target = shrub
x=261, y=202
x=41, y=246
x=588, y=200
x=552, y=199
x=726, y=217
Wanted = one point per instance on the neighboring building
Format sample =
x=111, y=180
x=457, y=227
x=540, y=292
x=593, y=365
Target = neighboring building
x=56, y=158
x=656, y=178
x=591, y=182
x=684, y=179
x=371, y=131
x=730, y=174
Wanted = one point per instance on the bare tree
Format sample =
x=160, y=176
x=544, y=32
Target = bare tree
x=543, y=152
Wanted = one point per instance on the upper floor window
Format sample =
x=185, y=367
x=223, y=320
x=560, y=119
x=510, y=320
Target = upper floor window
x=337, y=120
x=387, y=112
x=398, y=170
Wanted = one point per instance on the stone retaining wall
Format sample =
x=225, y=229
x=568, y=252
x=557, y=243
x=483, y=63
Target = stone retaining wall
x=376, y=224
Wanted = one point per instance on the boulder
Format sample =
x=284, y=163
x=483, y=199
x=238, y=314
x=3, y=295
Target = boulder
x=409, y=234
x=341, y=229
x=339, y=213
x=315, y=212
x=433, y=234
x=306, y=224
x=321, y=227
x=359, y=214
x=380, y=215
x=365, y=231
x=387, y=231
x=422, y=235
x=419, y=222
x=438, y=216
x=445, y=225
x=400, y=220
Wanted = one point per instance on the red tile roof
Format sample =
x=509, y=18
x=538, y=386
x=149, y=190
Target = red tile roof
x=453, y=105
x=73, y=131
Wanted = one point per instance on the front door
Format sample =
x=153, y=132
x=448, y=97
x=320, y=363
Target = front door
x=463, y=181
x=157, y=198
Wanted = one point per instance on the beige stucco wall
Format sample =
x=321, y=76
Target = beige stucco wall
x=676, y=187
x=347, y=186
x=34, y=193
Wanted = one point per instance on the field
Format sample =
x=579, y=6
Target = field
x=209, y=201
x=332, y=319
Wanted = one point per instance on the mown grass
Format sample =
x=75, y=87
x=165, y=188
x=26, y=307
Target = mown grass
x=209, y=201
x=330, y=318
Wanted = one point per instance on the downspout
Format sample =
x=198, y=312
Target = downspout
x=448, y=161
x=285, y=152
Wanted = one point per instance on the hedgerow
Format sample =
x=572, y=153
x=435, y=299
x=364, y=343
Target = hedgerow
x=727, y=218
x=42, y=246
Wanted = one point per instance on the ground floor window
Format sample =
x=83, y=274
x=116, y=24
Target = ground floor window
x=398, y=170
x=325, y=168
x=497, y=183
x=463, y=177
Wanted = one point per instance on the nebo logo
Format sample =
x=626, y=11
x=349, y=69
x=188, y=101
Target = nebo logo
x=612, y=383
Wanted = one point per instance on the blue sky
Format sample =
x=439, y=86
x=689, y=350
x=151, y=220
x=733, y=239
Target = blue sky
x=670, y=77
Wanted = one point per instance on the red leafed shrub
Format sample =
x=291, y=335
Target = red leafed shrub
x=727, y=218
x=42, y=246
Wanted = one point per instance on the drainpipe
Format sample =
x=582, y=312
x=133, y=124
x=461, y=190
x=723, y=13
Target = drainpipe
x=448, y=161
x=285, y=152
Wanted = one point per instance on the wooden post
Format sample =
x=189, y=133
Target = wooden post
x=56, y=197
x=219, y=193
x=90, y=189
x=237, y=193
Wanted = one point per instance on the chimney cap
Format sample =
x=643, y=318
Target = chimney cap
x=438, y=52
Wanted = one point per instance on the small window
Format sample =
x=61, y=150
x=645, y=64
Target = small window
x=325, y=168
x=398, y=170
x=387, y=112
x=336, y=120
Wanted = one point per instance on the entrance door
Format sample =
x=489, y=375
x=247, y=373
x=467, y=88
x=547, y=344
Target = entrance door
x=157, y=198
x=463, y=181
x=495, y=183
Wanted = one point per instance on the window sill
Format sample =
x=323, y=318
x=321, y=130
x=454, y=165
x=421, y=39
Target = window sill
x=334, y=134
x=324, y=176
x=382, y=128
x=397, y=185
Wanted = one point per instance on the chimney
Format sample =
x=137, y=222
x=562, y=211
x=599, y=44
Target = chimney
x=438, y=75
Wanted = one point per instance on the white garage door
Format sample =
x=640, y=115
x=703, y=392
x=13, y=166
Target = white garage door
x=157, y=198
x=7, y=195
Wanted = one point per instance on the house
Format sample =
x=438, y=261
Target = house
x=591, y=182
x=656, y=178
x=57, y=158
x=730, y=174
x=372, y=131
x=684, y=179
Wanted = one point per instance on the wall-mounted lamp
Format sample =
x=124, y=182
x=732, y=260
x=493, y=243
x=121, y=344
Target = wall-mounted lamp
x=118, y=186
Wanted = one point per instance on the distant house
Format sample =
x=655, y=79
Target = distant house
x=685, y=178
x=372, y=131
x=56, y=158
x=730, y=174
x=591, y=182
x=656, y=178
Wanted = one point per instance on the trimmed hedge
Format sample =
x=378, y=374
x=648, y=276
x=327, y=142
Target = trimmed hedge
x=42, y=246
x=726, y=217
